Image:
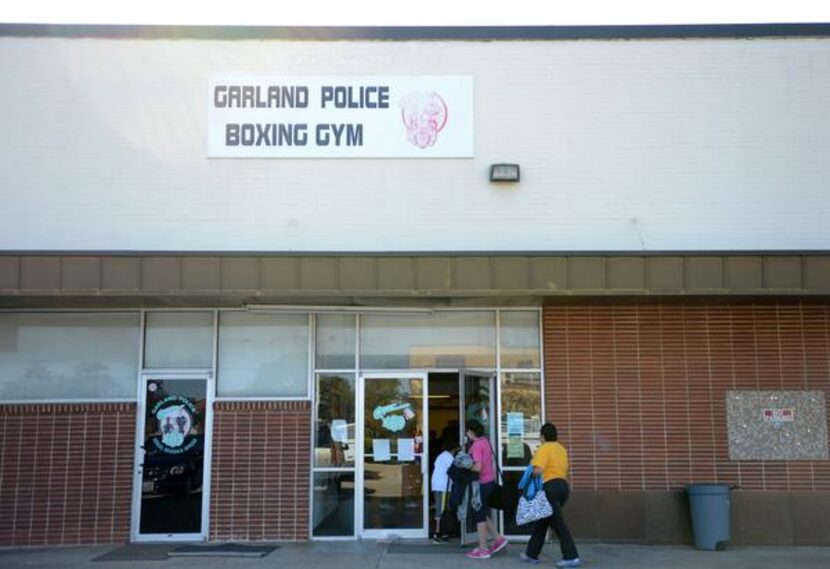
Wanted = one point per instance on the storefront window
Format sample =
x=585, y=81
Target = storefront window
x=262, y=355
x=333, y=504
x=69, y=355
x=447, y=339
x=521, y=417
x=334, y=429
x=178, y=340
x=335, y=341
x=519, y=339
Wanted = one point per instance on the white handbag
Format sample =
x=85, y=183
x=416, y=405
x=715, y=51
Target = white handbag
x=537, y=508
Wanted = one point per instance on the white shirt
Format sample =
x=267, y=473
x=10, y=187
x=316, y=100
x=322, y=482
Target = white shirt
x=439, y=475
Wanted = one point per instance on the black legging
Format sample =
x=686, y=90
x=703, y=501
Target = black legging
x=557, y=492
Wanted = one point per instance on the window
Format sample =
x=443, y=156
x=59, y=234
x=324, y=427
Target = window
x=335, y=341
x=262, y=355
x=69, y=355
x=450, y=339
x=334, y=431
x=519, y=339
x=521, y=417
x=178, y=340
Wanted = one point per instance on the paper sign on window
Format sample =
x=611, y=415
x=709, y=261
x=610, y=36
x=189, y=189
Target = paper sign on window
x=338, y=430
x=380, y=450
x=406, y=450
x=515, y=424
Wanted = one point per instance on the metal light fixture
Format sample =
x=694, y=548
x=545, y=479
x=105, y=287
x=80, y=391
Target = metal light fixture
x=325, y=309
x=504, y=173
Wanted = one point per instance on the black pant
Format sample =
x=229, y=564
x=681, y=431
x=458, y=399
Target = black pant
x=557, y=492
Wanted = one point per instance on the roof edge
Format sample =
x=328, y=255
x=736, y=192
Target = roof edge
x=404, y=33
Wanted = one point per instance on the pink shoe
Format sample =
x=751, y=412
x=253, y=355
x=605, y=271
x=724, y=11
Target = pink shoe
x=498, y=545
x=479, y=553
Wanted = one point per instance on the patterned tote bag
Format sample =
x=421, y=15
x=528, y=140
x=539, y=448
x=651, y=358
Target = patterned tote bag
x=536, y=508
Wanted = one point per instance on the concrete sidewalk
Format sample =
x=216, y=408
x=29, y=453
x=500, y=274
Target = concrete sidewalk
x=407, y=555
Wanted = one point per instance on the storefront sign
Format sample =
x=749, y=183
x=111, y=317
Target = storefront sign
x=341, y=117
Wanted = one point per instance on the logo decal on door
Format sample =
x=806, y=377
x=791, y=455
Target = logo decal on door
x=174, y=415
x=394, y=423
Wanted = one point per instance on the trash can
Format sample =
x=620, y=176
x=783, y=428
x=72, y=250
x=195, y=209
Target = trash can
x=709, y=504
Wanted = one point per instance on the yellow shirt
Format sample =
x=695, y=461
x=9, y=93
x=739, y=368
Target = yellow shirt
x=552, y=458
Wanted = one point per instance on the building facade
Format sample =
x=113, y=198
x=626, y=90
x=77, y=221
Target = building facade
x=251, y=279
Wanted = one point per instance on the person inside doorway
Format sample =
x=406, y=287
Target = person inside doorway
x=440, y=485
x=484, y=464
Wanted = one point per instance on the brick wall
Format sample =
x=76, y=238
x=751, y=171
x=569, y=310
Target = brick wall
x=260, y=478
x=66, y=473
x=638, y=391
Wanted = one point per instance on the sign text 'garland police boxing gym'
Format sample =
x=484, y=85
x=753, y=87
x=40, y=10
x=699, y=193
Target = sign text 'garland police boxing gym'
x=341, y=117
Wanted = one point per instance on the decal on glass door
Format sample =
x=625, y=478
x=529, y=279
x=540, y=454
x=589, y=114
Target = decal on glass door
x=174, y=417
x=394, y=422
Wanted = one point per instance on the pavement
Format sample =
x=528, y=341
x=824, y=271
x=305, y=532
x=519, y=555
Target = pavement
x=413, y=555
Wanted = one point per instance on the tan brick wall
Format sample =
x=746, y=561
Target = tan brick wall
x=260, y=479
x=638, y=390
x=66, y=473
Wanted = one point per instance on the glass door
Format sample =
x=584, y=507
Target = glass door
x=392, y=464
x=169, y=501
x=478, y=403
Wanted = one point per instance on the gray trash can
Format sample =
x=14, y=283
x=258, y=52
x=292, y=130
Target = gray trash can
x=709, y=504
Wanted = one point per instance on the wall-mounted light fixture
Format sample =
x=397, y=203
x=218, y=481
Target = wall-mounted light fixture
x=322, y=309
x=504, y=173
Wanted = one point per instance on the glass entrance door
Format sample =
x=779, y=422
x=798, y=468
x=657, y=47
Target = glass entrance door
x=392, y=465
x=169, y=502
x=478, y=403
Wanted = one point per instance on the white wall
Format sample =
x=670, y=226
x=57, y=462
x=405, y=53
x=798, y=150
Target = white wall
x=624, y=145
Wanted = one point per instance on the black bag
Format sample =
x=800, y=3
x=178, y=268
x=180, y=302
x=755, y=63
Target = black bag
x=448, y=522
x=499, y=498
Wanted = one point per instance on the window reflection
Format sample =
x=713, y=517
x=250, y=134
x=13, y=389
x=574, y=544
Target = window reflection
x=511, y=483
x=334, y=433
x=178, y=340
x=174, y=443
x=393, y=493
x=451, y=339
x=335, y=341
x=519, y=339
x=262, y=355
x=521, y=417
x=333, y=502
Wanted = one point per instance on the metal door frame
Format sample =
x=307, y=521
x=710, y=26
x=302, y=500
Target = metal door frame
x=493, y=419
x=138, y=459
x=361, y=532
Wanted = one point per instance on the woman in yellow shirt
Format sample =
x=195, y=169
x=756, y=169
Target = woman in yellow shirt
x=551, y=463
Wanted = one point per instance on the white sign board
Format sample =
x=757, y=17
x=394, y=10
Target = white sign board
x=341, y=117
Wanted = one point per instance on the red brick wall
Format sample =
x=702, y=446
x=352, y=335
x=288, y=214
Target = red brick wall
x=638, y=391
x=260, y=478
x=66, y=473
